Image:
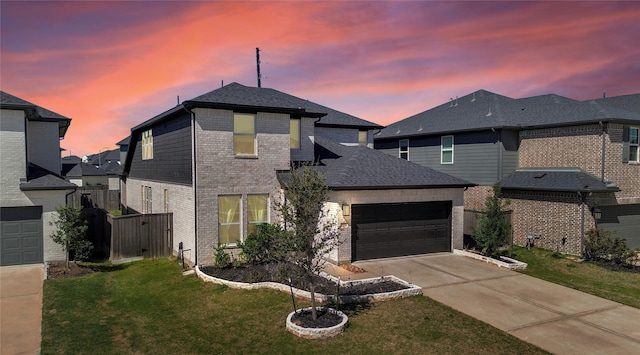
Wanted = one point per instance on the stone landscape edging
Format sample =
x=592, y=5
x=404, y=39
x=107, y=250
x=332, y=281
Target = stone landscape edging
x=411, y=289
x=513, y=264
x=317, y=333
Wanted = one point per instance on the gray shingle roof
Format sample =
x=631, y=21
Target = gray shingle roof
x=555, y=179
x=485, y=110
x=237, y=94
x=39, y=178
x=626, y=102
x=355, y=167
x=34, y=112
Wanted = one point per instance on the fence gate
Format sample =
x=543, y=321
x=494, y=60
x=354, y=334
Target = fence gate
x=146, y=235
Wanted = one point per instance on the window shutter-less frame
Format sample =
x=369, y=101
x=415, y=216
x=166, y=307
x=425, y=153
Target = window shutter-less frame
x=625, y=144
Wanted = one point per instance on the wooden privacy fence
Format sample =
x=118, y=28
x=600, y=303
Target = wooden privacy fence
x=146, y=235
x=95, y=198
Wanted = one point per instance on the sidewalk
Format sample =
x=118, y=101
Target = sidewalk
x=21, y=309
x=556, y=318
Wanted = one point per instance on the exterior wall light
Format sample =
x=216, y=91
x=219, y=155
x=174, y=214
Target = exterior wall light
x=346, y=209
x=597, y=214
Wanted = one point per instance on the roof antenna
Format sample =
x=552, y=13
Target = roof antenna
x=451, y=102
x=258, y=65
x=221, y=83
x=489, y=114
x=456, y=101
x=178, y=100
x=474, y=97
x=420, y=129
x=604, y=94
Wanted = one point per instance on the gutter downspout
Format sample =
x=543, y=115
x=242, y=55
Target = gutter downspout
x=194, y=180
x=604, y=152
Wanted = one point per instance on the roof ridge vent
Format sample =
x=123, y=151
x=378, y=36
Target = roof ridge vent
x=420, y=129
x=489, y=114
x=398, y=131
x=451, y=102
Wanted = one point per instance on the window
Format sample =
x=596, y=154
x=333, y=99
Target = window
x=244, y=134
x=633, y=144
x=446, y=150
x=403, y=151
x=147, y=145
x=228, y=219
x=294, y=133
x=362, y=138
x=166, y=201
x=257, y=211
x=146, y=199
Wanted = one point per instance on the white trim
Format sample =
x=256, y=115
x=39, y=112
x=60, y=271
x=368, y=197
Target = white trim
x=400, y=151
x=443, y=149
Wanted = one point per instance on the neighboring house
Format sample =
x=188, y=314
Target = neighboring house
x=106, y=176
x=557, y=159
x=123, y=146
x=32, y=188
x=217, y=162
x=104, y=157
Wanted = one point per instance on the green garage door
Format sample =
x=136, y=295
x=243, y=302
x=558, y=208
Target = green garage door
x=21, y=237
x=623, y=221
x=398, y=229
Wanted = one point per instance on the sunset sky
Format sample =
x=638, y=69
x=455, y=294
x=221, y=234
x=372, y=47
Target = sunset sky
x=112, y=65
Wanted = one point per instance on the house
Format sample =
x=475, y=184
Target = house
x=559, y=160
x=32, y=188
x=105, y=176
x=217, y=163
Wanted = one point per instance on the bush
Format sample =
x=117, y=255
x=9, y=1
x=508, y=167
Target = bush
x=71, y=233
x=221, y=258
x=493, y=231
x=600, y=245
x=269, y=244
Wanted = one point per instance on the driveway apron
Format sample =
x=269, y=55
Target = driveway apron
x=21, y=309
x=558, y=319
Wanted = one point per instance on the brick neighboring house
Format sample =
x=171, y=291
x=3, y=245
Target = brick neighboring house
x=557, y=159
x=217, y=161
x=31, y=186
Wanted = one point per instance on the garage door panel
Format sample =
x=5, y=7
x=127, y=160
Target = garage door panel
x=21, y=238
x=389, y=230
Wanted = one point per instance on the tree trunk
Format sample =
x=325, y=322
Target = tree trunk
x=66, y=247
x=314, y=313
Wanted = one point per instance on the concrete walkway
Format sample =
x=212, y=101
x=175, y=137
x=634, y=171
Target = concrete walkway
x=21, y=309
x=555, y=318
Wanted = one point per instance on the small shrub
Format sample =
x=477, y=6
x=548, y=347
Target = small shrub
x=492, y=232
x=601, y=246
x=221, y=258
x=269, y=244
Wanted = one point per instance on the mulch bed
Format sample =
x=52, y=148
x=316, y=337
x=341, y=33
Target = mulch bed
x=325, y=319
x=58, y=270
x=279, y=272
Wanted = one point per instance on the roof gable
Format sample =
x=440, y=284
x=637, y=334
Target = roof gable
x=34, y=112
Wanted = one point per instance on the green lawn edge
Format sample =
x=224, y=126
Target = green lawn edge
x=150, y=307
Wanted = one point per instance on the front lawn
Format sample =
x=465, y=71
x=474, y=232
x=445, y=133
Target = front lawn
x=148, y=307
x=621, y=285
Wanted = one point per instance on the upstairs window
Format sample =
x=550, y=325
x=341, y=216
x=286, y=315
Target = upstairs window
x=244, y=134
x=403, y=150
x=228, y=219
x=633, y=144
x=362, y=138
x=147, y=145
x=294, y=133
x=446, y=150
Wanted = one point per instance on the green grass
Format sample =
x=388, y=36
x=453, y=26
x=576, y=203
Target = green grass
x=148, y=307
x=621, y=286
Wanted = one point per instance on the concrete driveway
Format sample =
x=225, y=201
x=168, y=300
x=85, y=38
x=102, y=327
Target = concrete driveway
x=21, y=309
x=556, y=318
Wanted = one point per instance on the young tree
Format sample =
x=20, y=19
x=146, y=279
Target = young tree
x=493, y=231
x=71, y=233
x=304, y=196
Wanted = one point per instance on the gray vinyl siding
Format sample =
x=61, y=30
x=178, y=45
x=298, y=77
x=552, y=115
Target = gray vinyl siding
x=343, y=135
x=510, y=144
x=476, y=155
x=305, y=153
x=171, y=153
